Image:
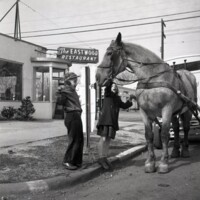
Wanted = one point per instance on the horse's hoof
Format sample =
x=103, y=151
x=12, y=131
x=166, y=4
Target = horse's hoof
x=150, y=167
x=163, y=168
x=185, y=153
x=175, y=153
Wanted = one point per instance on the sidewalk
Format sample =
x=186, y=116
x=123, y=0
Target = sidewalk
x=19, y=132
x=33, y=153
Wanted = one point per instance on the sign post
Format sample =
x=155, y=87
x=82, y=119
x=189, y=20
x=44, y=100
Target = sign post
x=87, y=100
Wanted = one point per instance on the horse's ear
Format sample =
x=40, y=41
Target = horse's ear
x=119, y=39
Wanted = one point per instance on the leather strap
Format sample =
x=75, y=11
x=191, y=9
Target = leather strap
x=156, y=85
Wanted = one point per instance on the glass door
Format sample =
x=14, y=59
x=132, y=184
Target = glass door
x=42, y=84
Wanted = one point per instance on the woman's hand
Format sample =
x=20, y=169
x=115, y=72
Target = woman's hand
x=131, y=97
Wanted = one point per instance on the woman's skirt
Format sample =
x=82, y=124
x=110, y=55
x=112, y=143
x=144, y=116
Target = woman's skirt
x=106, y=131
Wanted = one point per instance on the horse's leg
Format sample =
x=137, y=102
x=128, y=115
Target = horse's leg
x=150, y=163
x=185, y=117
x=175, y=123
x=166, y=120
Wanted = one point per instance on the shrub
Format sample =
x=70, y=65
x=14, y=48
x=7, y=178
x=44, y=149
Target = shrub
x=8, y=112
x=26, y=109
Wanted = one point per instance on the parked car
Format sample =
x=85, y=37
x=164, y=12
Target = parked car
x=194, y=133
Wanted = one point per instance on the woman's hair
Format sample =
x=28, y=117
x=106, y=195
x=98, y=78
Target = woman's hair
x=108, y=91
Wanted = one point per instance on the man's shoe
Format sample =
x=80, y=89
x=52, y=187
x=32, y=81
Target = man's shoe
x=79, y=165
x=70, y=166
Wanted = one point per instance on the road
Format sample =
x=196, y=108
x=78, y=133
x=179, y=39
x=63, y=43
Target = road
x=132, y=116
x=129, y=182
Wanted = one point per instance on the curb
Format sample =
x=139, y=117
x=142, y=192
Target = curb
x=59, y=182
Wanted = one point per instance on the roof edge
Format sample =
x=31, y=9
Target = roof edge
x=23, y=41
x=46, y=59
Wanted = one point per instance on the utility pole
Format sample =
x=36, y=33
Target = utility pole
x=162, y=38
x=17, y=30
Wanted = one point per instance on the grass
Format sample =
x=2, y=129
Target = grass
x=40, y=160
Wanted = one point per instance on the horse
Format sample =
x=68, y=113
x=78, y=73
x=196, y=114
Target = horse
x=156, y=95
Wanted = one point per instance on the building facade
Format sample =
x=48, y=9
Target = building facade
x=25, y=70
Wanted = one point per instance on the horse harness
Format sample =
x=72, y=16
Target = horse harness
x=145, y=85
x=112, y=75
x=141, y=85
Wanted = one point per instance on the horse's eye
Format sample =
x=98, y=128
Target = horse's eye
x=109, y=53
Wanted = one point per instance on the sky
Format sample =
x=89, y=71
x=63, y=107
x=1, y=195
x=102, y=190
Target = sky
x=137, y=20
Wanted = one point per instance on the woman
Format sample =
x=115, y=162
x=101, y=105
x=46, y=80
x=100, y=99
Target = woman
x=72, y=112
x=108, y=121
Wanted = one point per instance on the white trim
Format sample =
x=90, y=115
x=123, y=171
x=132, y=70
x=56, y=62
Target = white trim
x=186, y=56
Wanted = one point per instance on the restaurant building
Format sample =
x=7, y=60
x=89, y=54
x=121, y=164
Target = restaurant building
x=25, y=70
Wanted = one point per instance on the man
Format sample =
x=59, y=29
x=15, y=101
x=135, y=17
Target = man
x=72, y=118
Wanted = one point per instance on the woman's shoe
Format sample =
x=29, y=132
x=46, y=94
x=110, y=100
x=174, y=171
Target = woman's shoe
x=103, y=163
x=109, y=164
x=70, y=166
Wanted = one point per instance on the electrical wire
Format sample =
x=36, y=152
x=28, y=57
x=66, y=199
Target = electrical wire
x=38, y=13
x=132, y=36
x=109, y=28
x=109, y=23
x=49, y=20
x=98, y=42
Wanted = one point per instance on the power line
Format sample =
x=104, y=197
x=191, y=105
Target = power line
x=48, y=19
x=113, y=10
x=109, y=28
x=8, y=11
x=109, y=23
x=37, y=12
x=91, y=30
x=171, y=20
x=170, y=32
x=105, y=40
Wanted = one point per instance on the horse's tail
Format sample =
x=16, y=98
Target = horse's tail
x=195, y=90
x=189, y=84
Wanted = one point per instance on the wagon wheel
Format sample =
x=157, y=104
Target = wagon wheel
x=157, y=136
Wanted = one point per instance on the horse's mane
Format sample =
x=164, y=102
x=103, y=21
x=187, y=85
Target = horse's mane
x=141, y=53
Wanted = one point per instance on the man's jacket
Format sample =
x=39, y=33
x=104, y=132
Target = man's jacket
x=69, y=98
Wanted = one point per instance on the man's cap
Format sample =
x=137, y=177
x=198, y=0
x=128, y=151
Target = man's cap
x=71, y=75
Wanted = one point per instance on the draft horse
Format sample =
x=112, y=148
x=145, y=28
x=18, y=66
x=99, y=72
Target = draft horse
x=155, y=94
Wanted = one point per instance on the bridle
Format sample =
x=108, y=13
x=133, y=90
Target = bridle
x=112, y=74
x=119, y=50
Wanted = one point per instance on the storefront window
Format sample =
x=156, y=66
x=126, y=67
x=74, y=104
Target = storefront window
x=10, y=81
x=42, y=83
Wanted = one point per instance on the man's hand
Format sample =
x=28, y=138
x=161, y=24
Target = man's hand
x=60, y=87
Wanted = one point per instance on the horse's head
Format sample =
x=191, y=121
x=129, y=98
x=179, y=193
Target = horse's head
x=112, y=63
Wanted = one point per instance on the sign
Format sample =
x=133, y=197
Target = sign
x=77, y=55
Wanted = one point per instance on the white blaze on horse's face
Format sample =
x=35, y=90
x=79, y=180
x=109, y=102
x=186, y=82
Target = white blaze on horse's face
x=104, y=70
x=111, y=64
